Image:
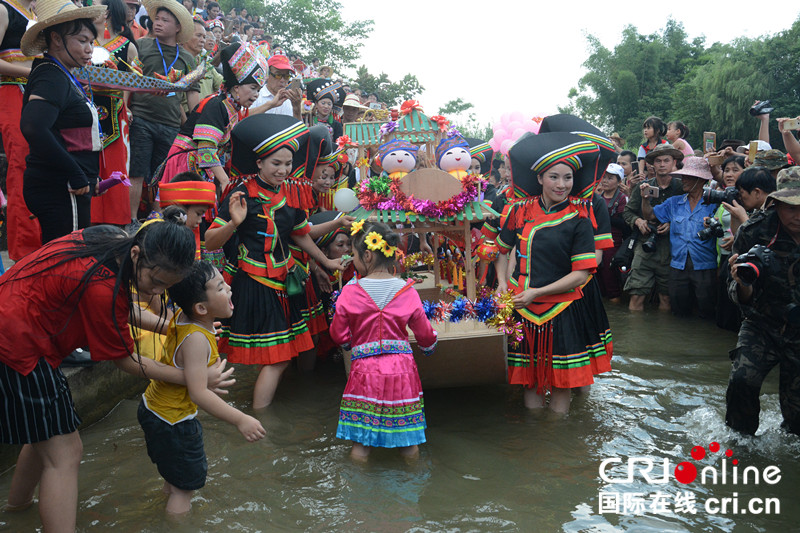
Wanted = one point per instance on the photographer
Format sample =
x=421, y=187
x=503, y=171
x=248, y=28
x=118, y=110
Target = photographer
x=651, y=268
x=693, y=267
x=753, y=186
x=766, y=289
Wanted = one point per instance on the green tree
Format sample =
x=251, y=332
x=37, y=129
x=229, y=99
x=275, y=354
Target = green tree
x=311, y=28
x=460, y=115
x=708, y=88
x=393, y=93
x=624, y=86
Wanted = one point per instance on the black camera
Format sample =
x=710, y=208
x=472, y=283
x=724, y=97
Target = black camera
x=711, y=196
x=649, y=244
x=624, y=257
x=759, y=260
x=764, y=107
x=714, y=230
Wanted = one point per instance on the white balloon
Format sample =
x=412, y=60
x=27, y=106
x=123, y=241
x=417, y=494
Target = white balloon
x=100, y=55
x=345, y=200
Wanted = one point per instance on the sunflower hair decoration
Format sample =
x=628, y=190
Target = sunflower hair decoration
x=377, y=243
x=356, y=227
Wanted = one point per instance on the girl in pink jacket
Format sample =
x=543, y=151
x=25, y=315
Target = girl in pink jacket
x=382, y=402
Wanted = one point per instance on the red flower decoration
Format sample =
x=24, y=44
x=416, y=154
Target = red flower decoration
x=441, y=121
x=410, y=105
x=344, y=142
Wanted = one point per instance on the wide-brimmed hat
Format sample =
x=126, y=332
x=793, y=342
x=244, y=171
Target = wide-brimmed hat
x=772, y=159
x=351, y=100
x=50, y=13
x=788, y=183
x=532, y=154
x=176, y=8
x=696, y=167
x=242, y=64
x=480, y=150
x=663, y=149
x=258, y=136
x=577, y=126
x=318, y=146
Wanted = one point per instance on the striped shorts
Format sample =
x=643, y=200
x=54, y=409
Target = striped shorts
x=35, y=407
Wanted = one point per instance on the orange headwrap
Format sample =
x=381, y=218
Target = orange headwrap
x=187, y=193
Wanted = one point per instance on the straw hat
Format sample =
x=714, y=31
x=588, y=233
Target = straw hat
x=663, y=149
x=49, y=13
x=696, y=167
x=351, y=100
x=176, y=8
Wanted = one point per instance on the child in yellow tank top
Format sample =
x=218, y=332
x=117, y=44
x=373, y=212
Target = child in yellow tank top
x=168, y=411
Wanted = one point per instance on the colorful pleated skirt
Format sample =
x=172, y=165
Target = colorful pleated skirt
x=566, y=352
x=267, y=326
x=382, y=404
x=313, y=312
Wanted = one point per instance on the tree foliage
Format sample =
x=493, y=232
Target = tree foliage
x=311, y=28
x=460, y=115
x=710, y=88
x=393, y=93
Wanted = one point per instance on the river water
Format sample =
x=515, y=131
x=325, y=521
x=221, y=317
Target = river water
x=489, y=464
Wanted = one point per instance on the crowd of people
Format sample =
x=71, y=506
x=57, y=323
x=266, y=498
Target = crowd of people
x=222, y=193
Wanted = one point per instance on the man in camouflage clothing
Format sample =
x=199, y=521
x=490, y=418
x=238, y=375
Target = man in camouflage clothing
x=770, y=331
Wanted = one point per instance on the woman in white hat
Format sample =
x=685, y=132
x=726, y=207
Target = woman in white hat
x=59, y=119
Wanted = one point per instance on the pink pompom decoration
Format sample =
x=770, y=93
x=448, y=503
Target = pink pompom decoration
x=505, y=146
x=517, y=116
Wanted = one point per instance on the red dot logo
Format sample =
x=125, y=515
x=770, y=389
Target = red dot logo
x=698, y=453
x=685, y=472
x=714, y=447
x=729, y=453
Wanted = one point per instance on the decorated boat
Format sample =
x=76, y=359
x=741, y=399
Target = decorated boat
x=472, y=324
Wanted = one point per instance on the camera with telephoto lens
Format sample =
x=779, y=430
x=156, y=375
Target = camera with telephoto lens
x=759, y=260
x=623, y=258
x=649, y=244
x=711, y=196
x=714, y=230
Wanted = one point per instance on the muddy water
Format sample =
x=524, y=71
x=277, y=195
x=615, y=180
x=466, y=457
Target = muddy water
x=489, y=465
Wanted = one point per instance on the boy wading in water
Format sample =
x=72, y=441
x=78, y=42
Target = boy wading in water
x=168, y=412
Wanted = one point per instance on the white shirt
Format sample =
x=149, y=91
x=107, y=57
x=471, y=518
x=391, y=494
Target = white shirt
x=265, y=96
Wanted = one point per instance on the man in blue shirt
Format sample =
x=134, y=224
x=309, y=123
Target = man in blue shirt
x=693, y=265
